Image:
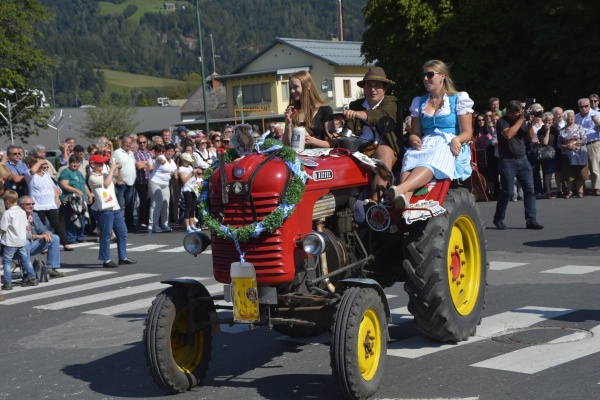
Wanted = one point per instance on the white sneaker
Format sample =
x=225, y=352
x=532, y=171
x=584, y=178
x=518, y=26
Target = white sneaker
x=190, y=229
x=196, y=229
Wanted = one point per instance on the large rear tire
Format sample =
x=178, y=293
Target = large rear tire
x=177, y=358
x=446, y=267
x=359, y=343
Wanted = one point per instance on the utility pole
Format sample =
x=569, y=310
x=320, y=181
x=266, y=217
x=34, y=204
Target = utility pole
x=212, y=46
x=202, y=69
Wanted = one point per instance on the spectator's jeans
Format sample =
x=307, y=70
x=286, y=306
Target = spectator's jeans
x=159, y=206
x=112, y=220
x=22, y=255
x=73, y=233
x=126, y=197
x=37, y=246
x=520, y=168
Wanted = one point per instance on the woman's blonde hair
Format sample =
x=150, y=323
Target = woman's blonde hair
x=310, y=100
x=441, y=67
x=5, y=172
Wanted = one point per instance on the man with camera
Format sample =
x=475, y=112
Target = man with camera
x=514, y=128
x=590, y=121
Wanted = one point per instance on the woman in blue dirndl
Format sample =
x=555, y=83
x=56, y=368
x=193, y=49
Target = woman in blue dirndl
x=441, y=130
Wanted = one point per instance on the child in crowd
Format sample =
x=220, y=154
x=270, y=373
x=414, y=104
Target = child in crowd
x=13, y=231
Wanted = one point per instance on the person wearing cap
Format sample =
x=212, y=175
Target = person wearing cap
x=109, y=219
x=125, y=186
x=306, y=109
x=371, y=108
x=182, y=132
x=441, y=129
x=189, y=175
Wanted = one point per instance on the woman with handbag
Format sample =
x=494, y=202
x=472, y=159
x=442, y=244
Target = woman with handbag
x=72, y=183
x=549, y=154
x=574, y=155
x=107, y=211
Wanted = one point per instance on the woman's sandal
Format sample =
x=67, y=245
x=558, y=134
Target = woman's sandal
x=550, y=196
x=568, y=195
x=580, y=195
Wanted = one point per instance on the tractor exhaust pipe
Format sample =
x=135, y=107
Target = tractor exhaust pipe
x=323, y=256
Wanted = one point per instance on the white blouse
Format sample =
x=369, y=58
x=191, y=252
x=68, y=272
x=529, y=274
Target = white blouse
x=464, y=105
x=41, y=190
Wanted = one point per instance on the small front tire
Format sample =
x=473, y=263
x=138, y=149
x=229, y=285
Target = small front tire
x=177, y=357
x=359, y=343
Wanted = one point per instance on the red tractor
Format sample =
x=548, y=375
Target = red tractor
x=321, y=261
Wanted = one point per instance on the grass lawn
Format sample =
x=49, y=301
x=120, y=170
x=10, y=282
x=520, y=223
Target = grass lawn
x=118, y=80
x=143, y=6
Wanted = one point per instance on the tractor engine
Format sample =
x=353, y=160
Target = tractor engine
x=256, y=184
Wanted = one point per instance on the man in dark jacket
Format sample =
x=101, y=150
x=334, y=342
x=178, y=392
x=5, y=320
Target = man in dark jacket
x=371, y=108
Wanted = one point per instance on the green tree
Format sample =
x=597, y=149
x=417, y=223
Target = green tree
x=537, y=48
x=110, y=120
x=20, y=63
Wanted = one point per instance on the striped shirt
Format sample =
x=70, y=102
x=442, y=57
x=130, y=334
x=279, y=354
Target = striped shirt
x=142, y=174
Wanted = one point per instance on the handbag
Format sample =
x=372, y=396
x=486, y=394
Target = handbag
x=106, y=199
x=544, y=153
x=577, y=158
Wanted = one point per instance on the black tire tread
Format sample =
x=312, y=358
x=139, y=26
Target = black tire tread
x=157, y=348
x=343, y=351
x=424, y=265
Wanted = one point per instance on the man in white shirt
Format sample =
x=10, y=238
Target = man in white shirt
x=559, y=120
x=125, y=189
x=590, y=121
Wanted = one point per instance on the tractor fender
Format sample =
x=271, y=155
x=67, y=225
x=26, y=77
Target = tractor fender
x=195, y=289
x=370, y=283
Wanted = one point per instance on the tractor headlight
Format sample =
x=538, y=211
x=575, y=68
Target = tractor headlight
x=315, y=243
x=195, y=243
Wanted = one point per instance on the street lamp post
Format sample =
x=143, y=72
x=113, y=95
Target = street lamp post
x=8, y=105
x=202, y=69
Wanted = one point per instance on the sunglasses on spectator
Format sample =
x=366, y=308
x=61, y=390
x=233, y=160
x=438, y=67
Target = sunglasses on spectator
x=594, y=101
x=14, y=154
x=216, y=140
x=142, y=142
x=203, y=143
x=225, y=141
x=584, y=106
x=430, y=74
x=480, y=120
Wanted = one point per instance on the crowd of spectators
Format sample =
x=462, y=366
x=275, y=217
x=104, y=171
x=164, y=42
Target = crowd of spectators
x=569, y=132
x=155, y=182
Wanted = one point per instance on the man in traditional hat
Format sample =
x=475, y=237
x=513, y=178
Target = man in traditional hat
x=371, y=108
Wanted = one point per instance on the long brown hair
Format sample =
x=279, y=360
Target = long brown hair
x=310, y=100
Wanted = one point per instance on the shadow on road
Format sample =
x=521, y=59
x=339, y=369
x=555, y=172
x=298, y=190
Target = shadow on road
x=582, y=242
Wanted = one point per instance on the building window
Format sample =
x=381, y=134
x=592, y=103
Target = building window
x=347, y=91
x=256, y=93
x=285, y=91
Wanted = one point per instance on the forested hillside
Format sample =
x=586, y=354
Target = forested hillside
x=86, y=35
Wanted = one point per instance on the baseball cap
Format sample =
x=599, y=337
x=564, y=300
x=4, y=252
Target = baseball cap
x=189, y=158
x=98, y=159
x=182, y=129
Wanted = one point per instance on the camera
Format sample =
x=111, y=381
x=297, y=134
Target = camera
x=528, y=113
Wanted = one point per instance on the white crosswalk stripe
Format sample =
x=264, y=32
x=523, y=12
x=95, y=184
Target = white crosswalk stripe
x=537, y=358
x=147, y=247
x=418, y=346
x=95, y=298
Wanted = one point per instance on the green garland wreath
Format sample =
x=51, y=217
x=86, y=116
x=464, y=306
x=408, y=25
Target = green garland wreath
x=271, y=222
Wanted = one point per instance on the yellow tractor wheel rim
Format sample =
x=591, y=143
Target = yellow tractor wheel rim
x=369, y=344
x=187, y=351
x=464, y=265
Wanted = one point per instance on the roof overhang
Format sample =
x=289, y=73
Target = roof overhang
x=277, y=72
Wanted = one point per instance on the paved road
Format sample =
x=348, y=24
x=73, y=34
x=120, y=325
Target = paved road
x=80, y=336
